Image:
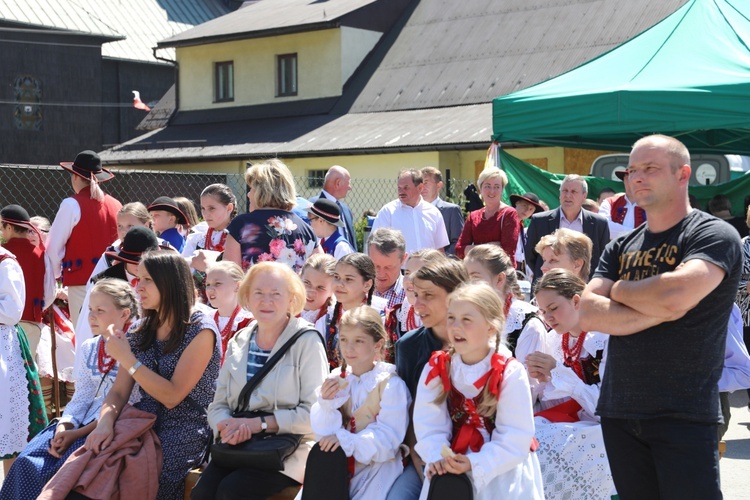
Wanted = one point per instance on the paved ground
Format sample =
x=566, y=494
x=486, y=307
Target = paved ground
x=735, y=466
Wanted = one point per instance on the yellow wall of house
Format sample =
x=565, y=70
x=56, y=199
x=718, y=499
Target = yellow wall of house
x=255, y=69
x=355, y=45
x=325, y=60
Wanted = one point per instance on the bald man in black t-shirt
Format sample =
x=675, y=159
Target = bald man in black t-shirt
x=664, y=292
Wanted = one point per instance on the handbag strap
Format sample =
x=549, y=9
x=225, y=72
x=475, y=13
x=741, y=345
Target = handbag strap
x=256, y=379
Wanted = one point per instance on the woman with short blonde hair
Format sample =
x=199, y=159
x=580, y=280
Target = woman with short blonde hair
x=566, y=249
x=496, y=223
x=282, y=399
x=270, y=231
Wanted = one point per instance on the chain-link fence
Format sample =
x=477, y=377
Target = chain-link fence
x=40, y=189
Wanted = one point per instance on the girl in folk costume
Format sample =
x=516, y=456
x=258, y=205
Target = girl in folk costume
x=360, y=418
x=21, y=411
x=403, y=318
x=354, y=280
x=317, y=276
x=188, y=208
x=38, y=276
x=112, y=302
x=473, y=413
x=218, y=208
x=524, y=332
x=571, y=447
x=222, y=284
x=84, y=226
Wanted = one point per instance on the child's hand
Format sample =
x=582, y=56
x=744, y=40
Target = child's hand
x=61, y=442
x=435, y=468
x=457, y=464
x=330, y=388
x=329, y=443
x=540, y=365
x=116, y=344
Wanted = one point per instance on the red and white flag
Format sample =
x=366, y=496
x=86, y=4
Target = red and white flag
x=137, y=103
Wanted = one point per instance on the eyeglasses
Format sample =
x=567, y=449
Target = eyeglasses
x=312, y=217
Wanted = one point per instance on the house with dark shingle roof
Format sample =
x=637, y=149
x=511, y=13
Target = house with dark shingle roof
x=374, y=85
x=69, y=68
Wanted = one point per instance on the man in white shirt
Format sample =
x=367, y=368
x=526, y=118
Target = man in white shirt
x=453, y=217
x=622, y=214
x=420, y=222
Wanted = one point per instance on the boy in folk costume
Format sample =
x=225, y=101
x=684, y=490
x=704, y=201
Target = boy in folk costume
x=84, y=226
x=37, y=272
x=167, y=215
x=325, y=220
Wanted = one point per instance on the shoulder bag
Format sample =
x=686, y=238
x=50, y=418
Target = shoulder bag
x=263, y=451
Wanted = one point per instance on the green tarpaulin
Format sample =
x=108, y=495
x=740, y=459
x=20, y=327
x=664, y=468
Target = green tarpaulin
x=524, y=177
x=688, y=76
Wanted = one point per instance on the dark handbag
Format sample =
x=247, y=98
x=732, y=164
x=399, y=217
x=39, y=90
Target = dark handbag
x=263, y=451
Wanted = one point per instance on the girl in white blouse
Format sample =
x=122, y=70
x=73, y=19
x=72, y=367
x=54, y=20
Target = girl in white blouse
x=360, y=417
x=571, y=446
x=112, y=302
x=473, y=414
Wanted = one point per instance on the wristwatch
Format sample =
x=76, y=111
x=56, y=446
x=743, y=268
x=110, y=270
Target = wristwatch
x=133, y=368
x=263, y=423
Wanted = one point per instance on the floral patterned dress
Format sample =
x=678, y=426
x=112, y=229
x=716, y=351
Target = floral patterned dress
x=270, y=234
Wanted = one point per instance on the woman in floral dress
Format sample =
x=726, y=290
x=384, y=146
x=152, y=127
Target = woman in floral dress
x=270, y=231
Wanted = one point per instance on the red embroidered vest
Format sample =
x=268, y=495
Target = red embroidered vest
x=96, y=230
x=618, y=210
x=31, y=260
x=462, y=410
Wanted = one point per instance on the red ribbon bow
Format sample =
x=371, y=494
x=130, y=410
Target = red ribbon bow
x=438, y=362
x=494, y=377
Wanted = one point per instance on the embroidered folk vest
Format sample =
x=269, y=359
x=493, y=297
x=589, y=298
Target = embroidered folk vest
x=619, y=210
x=31, y=260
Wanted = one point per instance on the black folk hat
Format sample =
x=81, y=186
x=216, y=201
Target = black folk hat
x=138, y=240
x=167, y=204
x=86, y=165
x=621, y=174
x=16, y=215
x=327, y=210
x=528, y=198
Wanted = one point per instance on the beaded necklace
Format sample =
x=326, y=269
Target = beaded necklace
x=219, y=247
x=572, y=356
x=104, y=361
x=226, y=332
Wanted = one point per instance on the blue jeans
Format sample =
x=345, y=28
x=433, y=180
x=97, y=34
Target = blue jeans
x=663, y=458
x=407, y=486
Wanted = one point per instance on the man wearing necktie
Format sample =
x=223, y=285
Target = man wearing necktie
x=336, y=185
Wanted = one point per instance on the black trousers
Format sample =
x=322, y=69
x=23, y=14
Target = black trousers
x=221, y=483
x=662, y=458
x=326, y=475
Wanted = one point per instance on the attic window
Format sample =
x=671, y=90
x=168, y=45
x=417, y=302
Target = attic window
x=286, y=75
x=224, y=81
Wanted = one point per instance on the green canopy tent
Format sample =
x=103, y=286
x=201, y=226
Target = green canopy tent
x=524, y=177
x=688, y=76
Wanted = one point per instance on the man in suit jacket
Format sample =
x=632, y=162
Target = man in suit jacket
x=432, y=183
x=571, y=215
x=336, y=186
